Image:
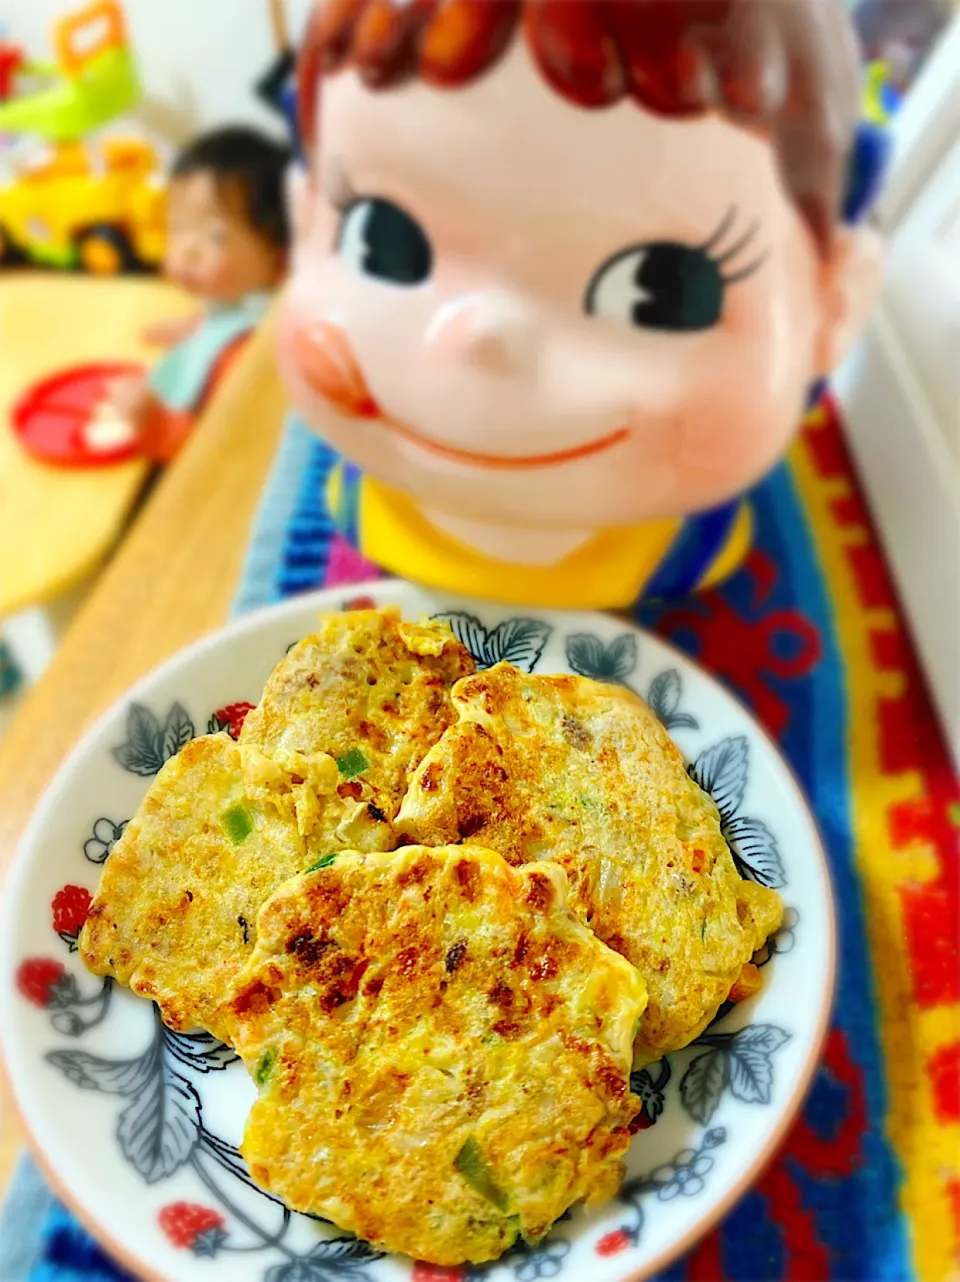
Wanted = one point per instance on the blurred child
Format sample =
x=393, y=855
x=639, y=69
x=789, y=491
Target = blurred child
x=227, y=244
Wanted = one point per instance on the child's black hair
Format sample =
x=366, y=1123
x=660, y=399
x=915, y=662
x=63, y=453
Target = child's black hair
x=254, y=165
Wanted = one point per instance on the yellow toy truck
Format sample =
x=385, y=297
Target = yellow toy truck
x=100, y=207
x=70, y=199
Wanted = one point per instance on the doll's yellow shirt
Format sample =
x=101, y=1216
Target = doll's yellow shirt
x=611, y=570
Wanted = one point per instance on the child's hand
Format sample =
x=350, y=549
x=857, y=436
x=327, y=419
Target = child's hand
x=129, y=399
x=132, y=413
x=120, y=417
x=159, y=431
x=167, y=333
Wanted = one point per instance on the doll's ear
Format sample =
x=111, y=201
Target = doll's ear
x=853, y=275
x=298, y=199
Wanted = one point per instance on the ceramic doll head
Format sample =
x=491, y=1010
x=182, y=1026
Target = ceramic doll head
x=572, y=264
x=228, y=232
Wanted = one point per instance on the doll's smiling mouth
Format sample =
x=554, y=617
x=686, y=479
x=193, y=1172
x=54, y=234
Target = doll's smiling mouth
x=329, y=367
x=507, y=462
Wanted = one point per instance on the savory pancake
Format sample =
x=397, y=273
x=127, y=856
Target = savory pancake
x=566, y=769
x=175, y=914
x=322, y=762
x=442, y=1051
x=346, y=718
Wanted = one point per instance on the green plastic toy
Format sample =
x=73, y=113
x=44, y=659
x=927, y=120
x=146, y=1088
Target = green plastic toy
x=94, y=79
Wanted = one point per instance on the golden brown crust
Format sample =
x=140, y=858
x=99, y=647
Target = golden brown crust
x=443, y=1051
x=175, y=914
x=561, y=768
x=367, y=689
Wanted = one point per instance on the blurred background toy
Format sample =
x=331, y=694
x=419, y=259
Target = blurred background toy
x=895, y=36
x=11, y=61
x=881, y=98
x=74, y=198
x=277, y=87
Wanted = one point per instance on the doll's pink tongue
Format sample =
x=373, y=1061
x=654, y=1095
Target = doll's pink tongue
x=325, y=359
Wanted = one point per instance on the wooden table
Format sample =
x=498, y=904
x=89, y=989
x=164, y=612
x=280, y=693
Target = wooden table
x=172, y=580
x=58, y=524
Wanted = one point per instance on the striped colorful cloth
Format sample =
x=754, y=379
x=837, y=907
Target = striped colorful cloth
x=867, y=1186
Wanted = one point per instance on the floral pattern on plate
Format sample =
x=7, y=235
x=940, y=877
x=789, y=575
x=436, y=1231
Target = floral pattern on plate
x=174, y=1104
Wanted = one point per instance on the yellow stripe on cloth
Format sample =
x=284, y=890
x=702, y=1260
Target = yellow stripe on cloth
x=928, y=1150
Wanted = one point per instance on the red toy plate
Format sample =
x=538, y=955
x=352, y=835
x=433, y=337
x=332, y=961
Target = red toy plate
x=50, y=416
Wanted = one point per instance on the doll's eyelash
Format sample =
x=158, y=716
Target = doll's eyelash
x=713, y=247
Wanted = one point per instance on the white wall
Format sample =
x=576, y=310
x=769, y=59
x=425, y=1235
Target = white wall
x=198, y=58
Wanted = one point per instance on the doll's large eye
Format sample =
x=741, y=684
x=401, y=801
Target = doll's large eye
x=664, y=285
x=379, y=239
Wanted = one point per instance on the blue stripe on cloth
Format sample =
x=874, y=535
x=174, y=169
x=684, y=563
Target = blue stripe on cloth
x=71, y=1255
x=698, y=544
x=25, y=1212
x=306, y=545
x=348, y=518
x=271, y=528
x=292, y=532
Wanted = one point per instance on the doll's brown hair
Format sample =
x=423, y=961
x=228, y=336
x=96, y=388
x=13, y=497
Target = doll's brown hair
x=786, y=68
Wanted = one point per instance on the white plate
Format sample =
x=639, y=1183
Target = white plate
x=137, y=1127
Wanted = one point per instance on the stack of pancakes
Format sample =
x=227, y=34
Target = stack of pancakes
x=440, y=914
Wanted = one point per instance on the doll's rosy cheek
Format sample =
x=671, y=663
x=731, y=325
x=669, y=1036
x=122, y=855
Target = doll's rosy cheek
x=327, y=364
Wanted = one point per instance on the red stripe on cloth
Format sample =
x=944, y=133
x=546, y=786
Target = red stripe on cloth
x=827, y=448
x=837, y=1156
x=870, y=574
x=930, y=915
x=944, y=1070
x=888, y=649
x=849, y=510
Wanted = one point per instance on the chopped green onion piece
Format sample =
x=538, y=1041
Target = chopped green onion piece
x=325, y=862
x=237, y=823
x=353, y=764
x=703, y=932
x=264, y=1070
x=472, y=1165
